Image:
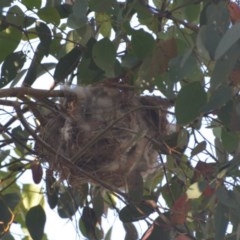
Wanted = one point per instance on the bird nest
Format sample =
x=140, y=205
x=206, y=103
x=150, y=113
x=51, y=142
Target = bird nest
x=101, y=135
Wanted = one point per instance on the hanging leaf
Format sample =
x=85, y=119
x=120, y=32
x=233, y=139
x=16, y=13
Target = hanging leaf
x=28, y=21
x=32, y=4
x=12, y=200
x=88, y=223
x=221, y=221
x=64, y=10
x=219, y=98
x=52, y=190
x=142, y=43
x=49, y=15
x=190, y=101
x=108, y=235
x=45, y=36
x=229, y=38
x=104, y=21
x=15, y=16
x=6, y=217
x=224, y=67
x=230, y=140
x=184, y=67
x=78, y=18
x=35, y=222
x=11, y=66
x=37, y=171
x=20, y=138
x=67, y=64
x=9, y=40
x=97, y=202
x=4, y=154
x=215, y=21
x=103, y=54
x=101, y=6
x=198, y=148
x=31, y=195
x=135, y=212
x=68, y=203
x=31, y=75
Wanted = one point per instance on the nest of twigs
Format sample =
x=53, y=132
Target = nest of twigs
x=102, y=134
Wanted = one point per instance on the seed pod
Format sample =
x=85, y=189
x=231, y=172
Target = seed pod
x=37, y=171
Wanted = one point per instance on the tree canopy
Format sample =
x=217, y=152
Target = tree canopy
x=143, y=109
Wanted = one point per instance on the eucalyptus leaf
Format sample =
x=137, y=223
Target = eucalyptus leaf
x=35, y=221
x=190, y=101
x=229, y=38
x=103, y=54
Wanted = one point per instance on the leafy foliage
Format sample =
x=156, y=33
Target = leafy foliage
x=189, y=51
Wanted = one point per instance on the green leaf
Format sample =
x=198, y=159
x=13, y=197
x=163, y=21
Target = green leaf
x=11, y=66
x=49, y=15
x=224, y=67
x=67, y=64
x=135, y=212
x=68, y=203
x=52, y=190
x=184, y=67
x=192, y=11
x=214, y=22
x=108, y=235
x=32, y=4
x=45, y=36
x=221, y=152
x=190, y=101
x=64, y=10
x=6, y=217
x=97, y=202
x=20, y=138
x=78, y=18
x=142, y=43
x=28, y=21
x=5, y=3
x=199, y=148
x=218, y=98
x=35, y=222
x=103, y=54
x=229, y=38
x=230, y=140
x=31, y=195
x=101, y=6
x=15, y=16
x=8, y=236
x=9, y=40
x=105, y=24
x=88, y=223
x=12, y=200
x=227, y=198
x=31, y=75
x=221, y=221
x=4, y=154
